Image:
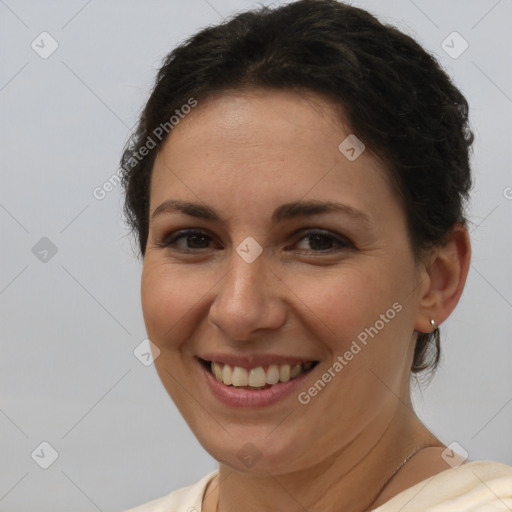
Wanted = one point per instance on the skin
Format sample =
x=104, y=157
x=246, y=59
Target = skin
x=244, y=154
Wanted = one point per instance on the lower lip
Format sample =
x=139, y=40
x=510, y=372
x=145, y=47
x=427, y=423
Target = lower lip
x=238, y=397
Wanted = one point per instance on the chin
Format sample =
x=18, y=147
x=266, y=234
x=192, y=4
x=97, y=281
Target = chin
x=253, y=454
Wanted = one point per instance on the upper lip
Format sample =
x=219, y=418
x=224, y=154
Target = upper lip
x=254, y=361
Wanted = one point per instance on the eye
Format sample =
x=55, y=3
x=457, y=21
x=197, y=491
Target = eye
x=194, y=240
x=324, y=242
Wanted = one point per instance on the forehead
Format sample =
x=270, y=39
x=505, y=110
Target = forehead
x=266, y=145
x=251, y=117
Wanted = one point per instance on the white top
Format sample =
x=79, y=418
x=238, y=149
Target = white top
x=479, y=486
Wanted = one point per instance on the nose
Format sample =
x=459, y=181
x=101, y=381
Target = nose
x=249, y=300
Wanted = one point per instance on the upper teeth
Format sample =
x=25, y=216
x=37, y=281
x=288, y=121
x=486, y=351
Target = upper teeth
x=257, y=377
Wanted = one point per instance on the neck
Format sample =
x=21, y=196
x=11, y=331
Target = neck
x=350, y=479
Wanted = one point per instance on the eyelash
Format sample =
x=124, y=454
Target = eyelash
x=170, y=240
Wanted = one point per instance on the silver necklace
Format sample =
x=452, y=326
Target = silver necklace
x=416, y=450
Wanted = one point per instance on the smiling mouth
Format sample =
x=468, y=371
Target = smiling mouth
x=256, y=378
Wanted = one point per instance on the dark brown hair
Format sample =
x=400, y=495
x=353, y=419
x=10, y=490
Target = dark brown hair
x=395, y=96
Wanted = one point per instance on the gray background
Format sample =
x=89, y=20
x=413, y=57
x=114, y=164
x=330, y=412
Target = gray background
x=71, y=323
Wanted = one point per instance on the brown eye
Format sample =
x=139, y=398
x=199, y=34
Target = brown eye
x=194, y=239
x=323, y=241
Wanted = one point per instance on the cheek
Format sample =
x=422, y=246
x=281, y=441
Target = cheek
x=344, y=300
x=359, y=309
x=168, y=296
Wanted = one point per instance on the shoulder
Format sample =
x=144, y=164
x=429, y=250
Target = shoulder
x=185, y=499
x=473, y=487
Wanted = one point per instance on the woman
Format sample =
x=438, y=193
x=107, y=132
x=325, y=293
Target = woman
x=304, y=235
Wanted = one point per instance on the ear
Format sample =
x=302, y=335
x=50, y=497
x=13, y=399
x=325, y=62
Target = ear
x=443, y=279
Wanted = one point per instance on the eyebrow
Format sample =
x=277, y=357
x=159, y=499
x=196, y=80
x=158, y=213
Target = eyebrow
x=284, y=212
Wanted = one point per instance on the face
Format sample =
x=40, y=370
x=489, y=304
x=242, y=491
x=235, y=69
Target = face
x=234, y=275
